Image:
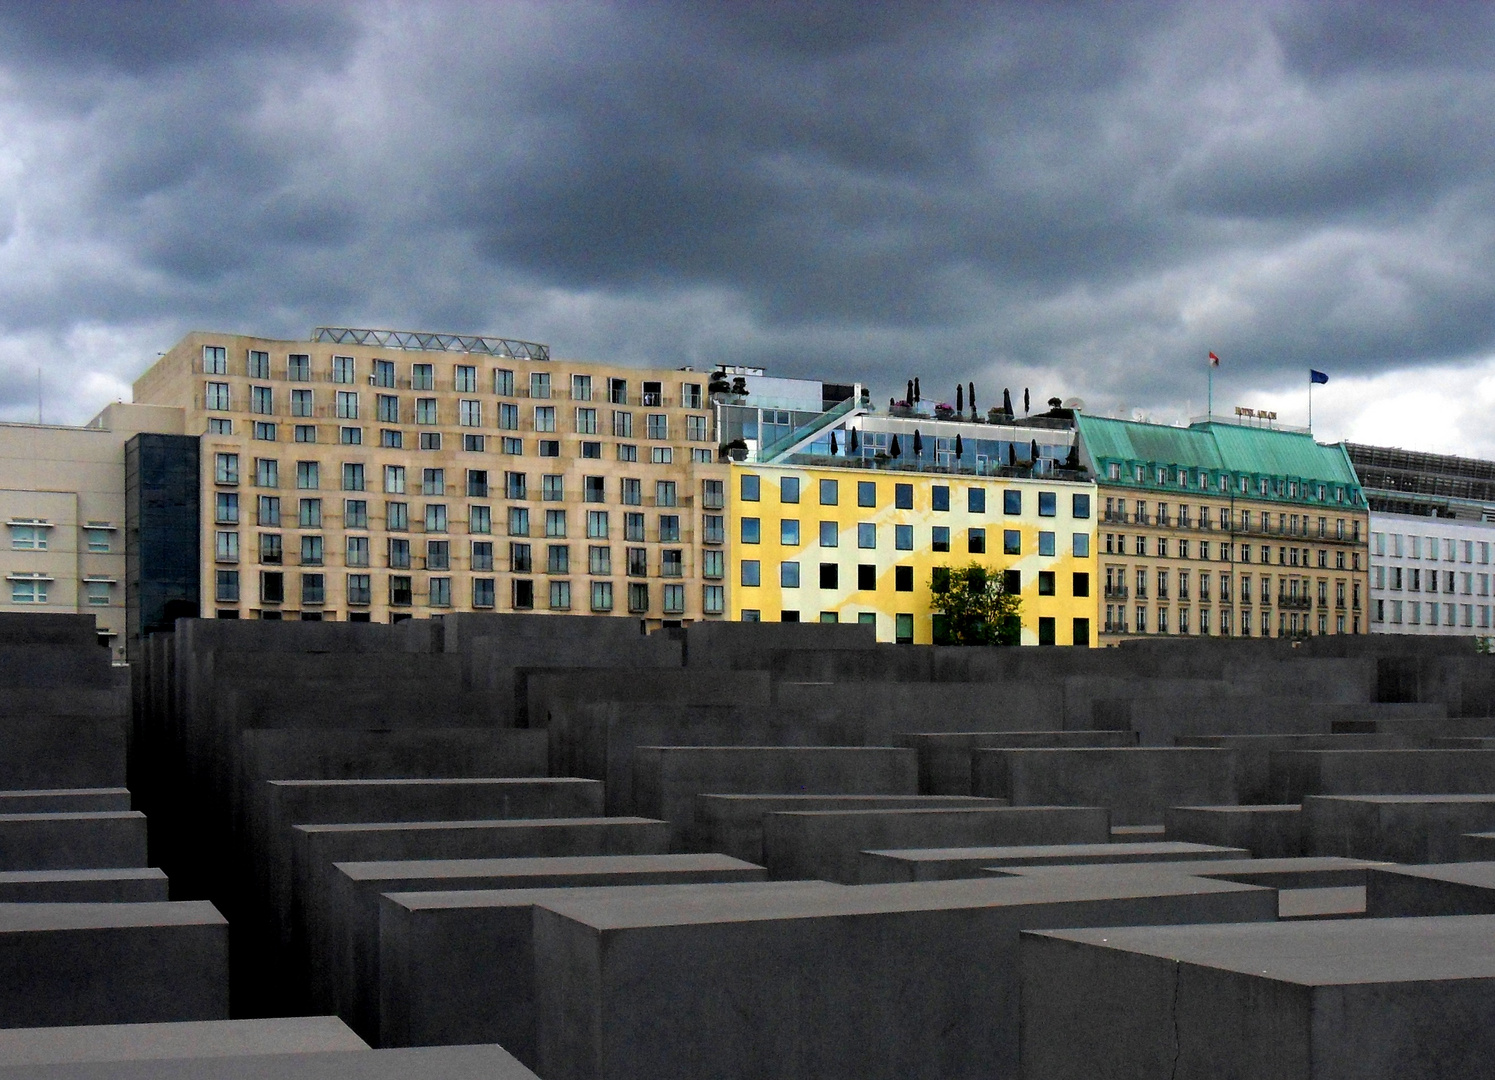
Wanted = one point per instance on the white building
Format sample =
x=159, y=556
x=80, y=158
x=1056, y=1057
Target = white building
x=1430, y=575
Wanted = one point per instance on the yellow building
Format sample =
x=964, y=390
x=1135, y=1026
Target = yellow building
x=376, y=475
x=860, y=544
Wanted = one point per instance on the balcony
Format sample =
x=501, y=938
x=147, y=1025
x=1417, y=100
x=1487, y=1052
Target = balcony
x=1115, y=628
x=1116, y=592
x=1294, y=603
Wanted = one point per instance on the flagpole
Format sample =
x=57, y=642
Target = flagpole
x=1209, y=408
x=1310, y=403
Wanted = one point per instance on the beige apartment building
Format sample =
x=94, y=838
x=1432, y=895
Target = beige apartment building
x=62, y=497
x=378, y=475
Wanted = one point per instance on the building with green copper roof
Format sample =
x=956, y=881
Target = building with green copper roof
x=1226, y=530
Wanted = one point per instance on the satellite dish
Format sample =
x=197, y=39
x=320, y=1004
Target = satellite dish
x=1077, y=404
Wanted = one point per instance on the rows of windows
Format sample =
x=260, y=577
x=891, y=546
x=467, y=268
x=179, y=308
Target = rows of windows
x=1419, y=579
x=1182, y=476
x=1206, y=622
x=465, y=378
x=1433, y=548
x=829, y=576
x=400, y=590
x=36, y=536
x=829, y=494
x=1426, y=613
x=867, y=534
x=1165, y=515
x=1165, y=547
x=1166, y=583
x=903, y=624
x=32, y=588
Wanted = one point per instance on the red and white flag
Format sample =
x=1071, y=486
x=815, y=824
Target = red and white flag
x=1214, y=361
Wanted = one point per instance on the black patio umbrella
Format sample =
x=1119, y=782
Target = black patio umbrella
x=971, y=396
x=918, y=444
x=960, y=449
x=851, y=441
x=909, y=397
x=960, y=393
x=895, y=450
x=916, y=389
x=1012, y=454
x=1034, y=448
x=1025, y=400
x=1006, y=401
x=833, y=444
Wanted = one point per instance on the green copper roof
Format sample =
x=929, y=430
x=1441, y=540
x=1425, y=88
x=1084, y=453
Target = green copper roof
x=1218, y=449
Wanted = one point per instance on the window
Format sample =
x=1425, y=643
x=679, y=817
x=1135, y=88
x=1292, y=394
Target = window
x=298, y=368
x=435, y=517
x=350, y=436
x=669, y=528
x=264, y=432
x=976, y=541
x=633, y=527
x=555, y=523
x=830, y=534
x=313, y=589
x=976, y=500
x=217, y=396
x=866, y=535
x=749, y=487
x=226, y=547
x=829, y=575
x=508, y=416
x=400, y=592
x=1080, y=506
x=690, y=395
x=789, y=575
x=671, y=563
x=355, y=514
x=218, y=425
x=544, y=417
x=306, y=433
x=750, y=530
x=617, y=391
x=394, y=479
x=215, y=360
x=1012, y=542
x=1081, y=585
x=503, y=382
x=225, y=468
x=903, y=496
x=713, y=564
x=638, y=596
x=940, y=496
x=674, y=599
x=301, y=403
x=903, y=628
x=309, y=514
x=637, y=559
x=653, y=393
x=558, y=559
x=515, y=485
x=602, y=596
x=257, y=366
x=600, y=560
x=622, y=424
x=227, y=586
x=789, y=532
x=539, y=384
x=357, y=551
x=343, y=370
x=1045, y=583
x=665, y=493
x=560, y=596
x=422, y=377
x=713, y=599
x=903, y=579
x=391, y=438
x=552, y=487
x=482, y=554
x=272, y=587
x=1045, y=543
x=360, y=589
x=586, y=421
x=830, y=493
x=903, y=537
x=752, y=573
x=520, y=561
x=866, y=493
x=465, y=379
x=1080, y=545
x=308, y=475
x=550, y=448
x=261, y=400
x=597, y=524
x=713, y=496
x=347, y=404
x=269, y=510
x=695, y=429
x=397, y=516
x=866, y=577
x=399, y=553
x=1047, y=504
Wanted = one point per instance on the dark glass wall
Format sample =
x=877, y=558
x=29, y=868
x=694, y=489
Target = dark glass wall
x=163, y=552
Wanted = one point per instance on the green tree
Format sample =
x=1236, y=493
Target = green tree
x=973, y=607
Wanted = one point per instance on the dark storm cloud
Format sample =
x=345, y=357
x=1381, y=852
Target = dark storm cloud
x=1090, y=196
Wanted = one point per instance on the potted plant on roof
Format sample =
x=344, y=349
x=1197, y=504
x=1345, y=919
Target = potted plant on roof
x=944, y=411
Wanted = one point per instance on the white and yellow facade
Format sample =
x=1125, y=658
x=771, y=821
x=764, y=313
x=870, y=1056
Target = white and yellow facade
x=813, y=543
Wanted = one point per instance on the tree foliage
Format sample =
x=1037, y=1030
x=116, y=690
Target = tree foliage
x=974, y=607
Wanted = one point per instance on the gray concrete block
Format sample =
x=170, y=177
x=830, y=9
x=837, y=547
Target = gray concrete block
x=317, y=847
x=128, y=885
x=1396, y=828
x=187, y=1039
x=948, y=864
x=112, y=963
x=1253, y=754
x=872, y=983
x=1136, y=784
x=459, y=967
x=64, y=801
x=62, y=752
x=827, y=844
x=945, y=756
x=667, y=779
x=1267, y=831
x=733, y=824
x=1297, y=774
x=1466, y=888
x=426, y=1063
x=1317, y=1000
x=349, y=953
x=270, y=754
x=109, y=838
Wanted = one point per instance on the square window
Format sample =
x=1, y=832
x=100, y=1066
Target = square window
x=1048, y=504
x=830, y=534
x=976, y=541
x=866, y=577
x=1045, y=583
x=903, y=537
x=866, y=493
x=903, y=579
x=1082, y=584
x=829, y=617
x=941, y=538
x=903, y=496
x=829, y=575
x=789, y=532
x=788, y=489
x=1012, y=542
x=829, y=492
x=789, y=575
x=750, y=530
x=940, y=496
x=750, y=485
x=976, y=500
x=1045, y=543
x=1012, y=502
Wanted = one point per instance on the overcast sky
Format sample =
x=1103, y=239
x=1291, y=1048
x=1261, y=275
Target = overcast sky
x=1081, y=199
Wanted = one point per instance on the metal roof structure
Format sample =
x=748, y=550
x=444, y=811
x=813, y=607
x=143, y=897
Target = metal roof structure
x=428, y=342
